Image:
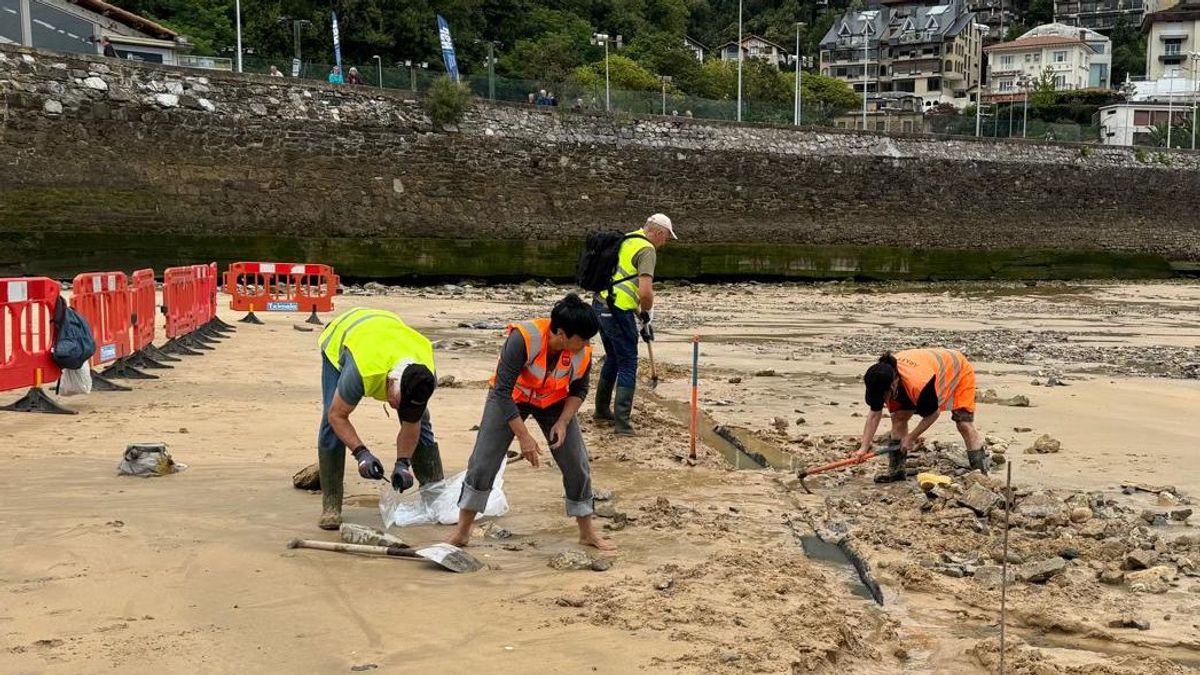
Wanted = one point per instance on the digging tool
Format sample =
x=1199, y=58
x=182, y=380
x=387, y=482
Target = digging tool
x=446, y=556
x=857, y=458
x=653, y=370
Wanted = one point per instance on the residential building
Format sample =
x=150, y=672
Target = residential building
x=1133, y=123
x=1020, y=64
x=1170, y=35
x=889, y=112
x=78, y=25
x=1100, y=69
x=695, y=47
x=1098, y=14
x=755, y=47
x=911, y=46
x=997, y=15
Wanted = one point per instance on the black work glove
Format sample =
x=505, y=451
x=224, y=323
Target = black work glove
x=647, y=328
x=402, y=477
x=369, y=465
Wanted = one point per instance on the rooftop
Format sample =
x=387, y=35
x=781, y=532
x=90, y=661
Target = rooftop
x=1037, y=42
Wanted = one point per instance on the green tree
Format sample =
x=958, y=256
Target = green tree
x=1042, y=93
x=624, y=73
x=825, y=97
x=1128, y=51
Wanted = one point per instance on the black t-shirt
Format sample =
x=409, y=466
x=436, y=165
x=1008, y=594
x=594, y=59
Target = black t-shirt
x=927, y=402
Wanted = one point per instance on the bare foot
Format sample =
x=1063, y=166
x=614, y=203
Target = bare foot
x=598, y=542
x=461, y=542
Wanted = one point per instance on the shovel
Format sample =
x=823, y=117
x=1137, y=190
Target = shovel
x=446, y=556
x=857, y=458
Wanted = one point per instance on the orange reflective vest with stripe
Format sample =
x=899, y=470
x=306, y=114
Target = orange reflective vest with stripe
x=955, y=378
x=541, y=384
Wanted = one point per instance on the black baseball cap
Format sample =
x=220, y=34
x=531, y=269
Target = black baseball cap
x=879, y=378
x=416, y=387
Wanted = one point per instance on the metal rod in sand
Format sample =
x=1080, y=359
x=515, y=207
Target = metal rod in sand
x=695, y=400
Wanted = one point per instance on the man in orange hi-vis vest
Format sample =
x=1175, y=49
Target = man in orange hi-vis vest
x=926, y=382
x=542, y=373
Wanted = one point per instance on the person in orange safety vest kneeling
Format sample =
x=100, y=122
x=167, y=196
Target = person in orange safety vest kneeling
x=542, y=373
x=926, y=382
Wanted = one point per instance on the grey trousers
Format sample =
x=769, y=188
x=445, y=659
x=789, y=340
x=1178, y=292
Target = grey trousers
x=492, y=443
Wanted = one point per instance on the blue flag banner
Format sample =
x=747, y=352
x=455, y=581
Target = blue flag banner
x=447, y=48
x=337, y=42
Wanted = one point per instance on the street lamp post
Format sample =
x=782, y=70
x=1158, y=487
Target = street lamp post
x=1024, y=83
x=297, y=24
x=603, y=38
x=739, y=65
x=866, y=62
x=237, y=10
x=796, y=116
x=491, y=57
x=379, y=65
x=665, y=79
x=1170, y=107
x=1194, y=57
x=412, y=71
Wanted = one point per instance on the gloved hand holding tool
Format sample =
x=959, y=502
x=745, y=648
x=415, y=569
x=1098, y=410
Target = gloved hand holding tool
x=647, y=330
x=402, y=476
x=890, y=449
x=369, y=465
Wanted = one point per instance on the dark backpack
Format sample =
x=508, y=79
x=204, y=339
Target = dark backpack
x=598, y=262
x=73, y=343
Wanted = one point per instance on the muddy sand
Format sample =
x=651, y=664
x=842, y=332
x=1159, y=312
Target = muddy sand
x=189, y=572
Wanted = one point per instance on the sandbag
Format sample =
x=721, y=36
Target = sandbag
x=436, y=502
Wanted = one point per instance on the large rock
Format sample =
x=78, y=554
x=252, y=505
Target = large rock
x=1140, y=559
x=989, y=576
x=1154, y=580
x=308, y=478
x=1044, y=445
x=571, y=560
x=980, y=499
x=1040, y=571
x=1040, y=505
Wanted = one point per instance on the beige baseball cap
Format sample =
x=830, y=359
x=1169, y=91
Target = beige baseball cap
x=664, y=222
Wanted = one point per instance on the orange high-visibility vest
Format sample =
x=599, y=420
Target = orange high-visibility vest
x=541, y=384
x=954, y=376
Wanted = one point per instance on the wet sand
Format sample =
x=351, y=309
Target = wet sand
x=190, y=573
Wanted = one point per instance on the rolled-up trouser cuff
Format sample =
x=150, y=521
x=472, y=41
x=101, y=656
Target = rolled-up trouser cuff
x=579, y=509
x=472, y=499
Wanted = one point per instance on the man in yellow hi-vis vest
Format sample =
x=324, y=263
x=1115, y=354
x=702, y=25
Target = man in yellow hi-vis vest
x=372, y=353
x=630, y=302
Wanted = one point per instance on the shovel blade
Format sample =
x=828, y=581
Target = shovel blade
x=450, y=557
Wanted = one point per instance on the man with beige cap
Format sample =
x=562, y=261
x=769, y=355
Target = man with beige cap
x=630, y=302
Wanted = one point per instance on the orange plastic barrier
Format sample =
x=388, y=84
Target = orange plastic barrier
x=103, y=299
x=141, y=288
x=280, y=287
x=180, y=290
x=26, y=334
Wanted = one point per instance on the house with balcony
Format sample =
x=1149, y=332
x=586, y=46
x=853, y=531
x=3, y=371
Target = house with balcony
x=696, y=47
x=997, y=15
x=755, y=47
x=1171, y=34
x=1101, y=15
x=1100, y=61
x=77, y=26
x=929, y=49
x=1014, y=67
x=888, y=112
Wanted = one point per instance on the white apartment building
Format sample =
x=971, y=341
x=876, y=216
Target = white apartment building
x=1100, y=74
x=1171, y=35
x=1068, y=61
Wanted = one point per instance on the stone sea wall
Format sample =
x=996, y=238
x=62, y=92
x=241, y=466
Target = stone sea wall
x=106, y=163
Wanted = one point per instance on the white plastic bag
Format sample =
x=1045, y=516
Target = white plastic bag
x=75, y=382
x=436, y=502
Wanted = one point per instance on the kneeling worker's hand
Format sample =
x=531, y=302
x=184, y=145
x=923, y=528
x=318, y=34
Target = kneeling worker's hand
x=369, y=465
x=402, y=477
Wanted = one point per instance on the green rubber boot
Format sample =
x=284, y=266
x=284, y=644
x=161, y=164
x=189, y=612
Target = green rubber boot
x=427, y=464
x=895, y=470
x=604, y=394
x=332, y=470
x=623, y=412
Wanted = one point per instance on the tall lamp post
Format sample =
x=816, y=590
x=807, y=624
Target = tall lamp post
x=1024, y=82
x=797, y=114
x=237, y=10
x=491, y=65
x=983, y=32
x=412, y=71
x=866, y=62
x=605, y=39
x=297, y=25
x=1194, y=58
x=379, y=65
x=1170, y=106
x=665, y=79
x=740, y=49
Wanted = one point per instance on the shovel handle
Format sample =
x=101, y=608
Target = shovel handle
x=338, y=547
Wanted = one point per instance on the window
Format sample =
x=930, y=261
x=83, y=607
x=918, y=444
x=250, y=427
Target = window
x=1028, y=58
x=933, y=84
x=908, y=125
x=1141, y=118
x=1006, y=85
x=1007, y=60
x=1173, y=47
x=1060, y=82
x=881, y=126
x=1098, y=46
x=1060, y=57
